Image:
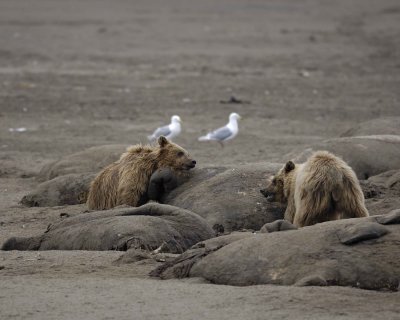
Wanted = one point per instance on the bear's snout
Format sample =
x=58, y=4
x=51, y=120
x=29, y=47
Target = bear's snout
x=192, y=164
x=268, y=194
x=264, y=192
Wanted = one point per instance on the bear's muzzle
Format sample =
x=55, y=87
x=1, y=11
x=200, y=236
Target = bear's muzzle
x=268, y=194
x=192, y=164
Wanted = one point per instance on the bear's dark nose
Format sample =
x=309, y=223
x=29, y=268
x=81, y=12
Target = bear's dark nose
x=190, y=164
x=268, y=194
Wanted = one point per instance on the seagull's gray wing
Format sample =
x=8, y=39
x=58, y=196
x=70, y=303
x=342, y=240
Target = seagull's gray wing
x=162, y=131
x=221, y=134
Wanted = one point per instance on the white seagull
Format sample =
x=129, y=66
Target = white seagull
x=225, y=133
x=170, y=131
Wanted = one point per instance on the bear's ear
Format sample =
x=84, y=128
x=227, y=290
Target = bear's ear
x=162, y=141
x=289, y=166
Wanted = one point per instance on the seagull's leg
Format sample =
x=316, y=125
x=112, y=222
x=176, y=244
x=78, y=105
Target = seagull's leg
x=221, y=144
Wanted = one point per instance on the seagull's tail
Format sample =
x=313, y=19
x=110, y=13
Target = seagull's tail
x=151, y=138
x=204, y=138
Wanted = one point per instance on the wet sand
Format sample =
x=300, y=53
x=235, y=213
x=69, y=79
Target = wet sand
x=78, y=74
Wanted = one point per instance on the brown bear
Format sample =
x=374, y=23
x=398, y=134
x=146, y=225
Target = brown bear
x=321, y=189
x=126, y=181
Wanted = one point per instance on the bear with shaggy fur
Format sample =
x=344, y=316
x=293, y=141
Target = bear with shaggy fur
x=126, y=181
x=321, y=189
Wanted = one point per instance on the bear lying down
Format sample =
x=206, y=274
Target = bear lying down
x=321, y=189
x=126, y=181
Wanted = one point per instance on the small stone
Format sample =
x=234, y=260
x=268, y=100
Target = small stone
x=102, y=30
x=312, y=38
x=234, y=100
x=304, y=73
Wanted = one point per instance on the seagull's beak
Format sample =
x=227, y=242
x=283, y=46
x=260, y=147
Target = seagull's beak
x=240, y=118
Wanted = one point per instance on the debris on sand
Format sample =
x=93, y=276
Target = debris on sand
x=234, y=100
x=304, y=73
x=21, y=129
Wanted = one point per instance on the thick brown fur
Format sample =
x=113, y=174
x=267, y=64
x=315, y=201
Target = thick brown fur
x=126, y=180
x=321, y=189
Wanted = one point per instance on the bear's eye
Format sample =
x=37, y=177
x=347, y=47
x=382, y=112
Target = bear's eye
x=180, y=154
